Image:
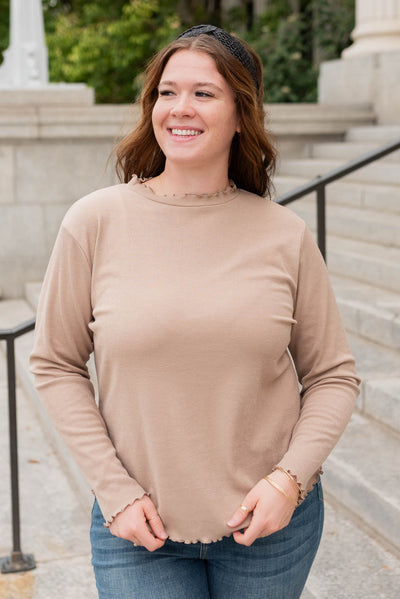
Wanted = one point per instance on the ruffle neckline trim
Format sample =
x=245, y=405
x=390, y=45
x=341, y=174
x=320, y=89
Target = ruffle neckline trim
x=188, y=199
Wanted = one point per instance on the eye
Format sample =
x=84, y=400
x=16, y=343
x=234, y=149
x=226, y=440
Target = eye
x=203, y=94
x=165, y=92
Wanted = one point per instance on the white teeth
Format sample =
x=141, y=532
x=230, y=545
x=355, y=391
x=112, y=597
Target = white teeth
x=187, y=132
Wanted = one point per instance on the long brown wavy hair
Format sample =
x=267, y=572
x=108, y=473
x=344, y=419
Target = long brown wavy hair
x=252, y=157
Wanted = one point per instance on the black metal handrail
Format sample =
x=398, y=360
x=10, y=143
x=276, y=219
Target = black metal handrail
x=17, y=561
x=321, y=181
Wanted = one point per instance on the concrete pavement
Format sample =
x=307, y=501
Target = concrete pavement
x=54, y=526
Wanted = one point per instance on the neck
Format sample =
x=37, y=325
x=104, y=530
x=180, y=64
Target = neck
x=178, y=181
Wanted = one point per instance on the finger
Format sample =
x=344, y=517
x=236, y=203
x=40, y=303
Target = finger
x=157, y=527
x=242, y=511
x=147, y=539
x=131, y=524
x=153, y=519
x=251, y=533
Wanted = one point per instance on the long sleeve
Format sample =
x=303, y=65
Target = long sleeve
x=63, y=343
x=189, y=304
x=324, y=365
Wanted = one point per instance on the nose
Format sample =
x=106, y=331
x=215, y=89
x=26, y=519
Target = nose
x=182, y=106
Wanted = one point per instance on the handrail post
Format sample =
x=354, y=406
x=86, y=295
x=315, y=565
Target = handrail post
x=17, y=562
x=321, y=219
x=319, y=183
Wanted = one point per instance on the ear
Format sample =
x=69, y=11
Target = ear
x=238, y=125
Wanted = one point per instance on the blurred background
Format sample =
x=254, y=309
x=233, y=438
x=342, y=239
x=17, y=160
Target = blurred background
x=107, y=44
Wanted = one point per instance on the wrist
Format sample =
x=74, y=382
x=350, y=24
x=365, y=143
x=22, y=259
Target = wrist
x=288, y=484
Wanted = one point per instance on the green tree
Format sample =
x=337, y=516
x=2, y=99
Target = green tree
x=292, y=37
x=108, y=53
x=108, y=43
x=333, y=23
x=282, y=39
x=288, y=70
x=4, y=25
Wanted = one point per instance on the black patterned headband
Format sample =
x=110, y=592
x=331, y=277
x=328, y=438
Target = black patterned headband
x=231, y=43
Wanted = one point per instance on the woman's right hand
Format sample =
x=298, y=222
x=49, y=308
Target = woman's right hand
x=136, y=520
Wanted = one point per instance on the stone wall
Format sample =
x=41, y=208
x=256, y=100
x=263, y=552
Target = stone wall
x=369, y=70
x=51, y=154
x=373, y=79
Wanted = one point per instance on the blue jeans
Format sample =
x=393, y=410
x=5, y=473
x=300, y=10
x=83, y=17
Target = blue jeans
x=274, y=567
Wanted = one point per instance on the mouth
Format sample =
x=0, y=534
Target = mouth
x=184, y=133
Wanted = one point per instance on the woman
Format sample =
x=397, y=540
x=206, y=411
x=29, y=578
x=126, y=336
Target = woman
x=205, y=304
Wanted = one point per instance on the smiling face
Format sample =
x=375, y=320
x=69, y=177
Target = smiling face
x=194, y=118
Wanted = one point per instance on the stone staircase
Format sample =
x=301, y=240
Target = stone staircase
x=362, y=474
x=363, y=256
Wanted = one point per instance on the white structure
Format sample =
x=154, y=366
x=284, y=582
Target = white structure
x=25, y=61
x=377, y=28
x=369, y=71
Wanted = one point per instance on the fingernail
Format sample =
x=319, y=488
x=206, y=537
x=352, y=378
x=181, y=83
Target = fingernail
x=231, y=522
x=162, y=535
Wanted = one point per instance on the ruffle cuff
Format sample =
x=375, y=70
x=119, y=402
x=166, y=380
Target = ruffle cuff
x=113, y=498
x=118, y=510
x=304, y=489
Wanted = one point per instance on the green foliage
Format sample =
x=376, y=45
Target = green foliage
x=4, y=25
x=107, y=44
x=281, y=38
x=332, y=25
x=109, y=54
x=289, y=74
x=291, y=45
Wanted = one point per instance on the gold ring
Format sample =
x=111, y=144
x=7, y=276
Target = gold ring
x=244, y=508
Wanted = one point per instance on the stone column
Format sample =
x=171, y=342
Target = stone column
x=25, y=61
x=377, y=28
x=369, y=70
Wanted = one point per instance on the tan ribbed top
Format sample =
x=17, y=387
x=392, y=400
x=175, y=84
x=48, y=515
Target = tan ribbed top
x=192, y=304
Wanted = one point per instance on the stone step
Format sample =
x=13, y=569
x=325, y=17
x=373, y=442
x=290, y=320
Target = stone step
x=379, y=370
x=371, y=226
x=385, y=198
x=380, y=134
x=369, y=263
x=362, y=474
x=350, y=564
x=14, y=312
x=377, y=172
x=369, y=312
x=32, y=292
x=365, y=262
x=381, y=401
x=349, y=151
x=295, y=120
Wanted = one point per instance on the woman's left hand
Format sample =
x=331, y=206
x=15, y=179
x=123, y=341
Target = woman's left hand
x=271, y=509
